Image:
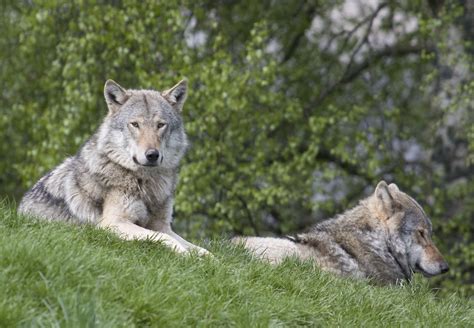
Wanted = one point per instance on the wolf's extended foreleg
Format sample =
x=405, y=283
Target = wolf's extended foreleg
x=189, y=246
x=163, y=224
x=129, y=231
x=120, y=213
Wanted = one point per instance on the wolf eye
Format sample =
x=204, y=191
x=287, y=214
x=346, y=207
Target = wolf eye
x=422, y=233
x=135, y=124
x=160, y=125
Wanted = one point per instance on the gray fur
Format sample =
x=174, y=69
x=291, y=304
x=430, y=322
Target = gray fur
x=385, y=238
x=111, y=182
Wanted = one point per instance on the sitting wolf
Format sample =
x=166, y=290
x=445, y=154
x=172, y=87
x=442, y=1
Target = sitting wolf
x=386, y=238
x=124, y=177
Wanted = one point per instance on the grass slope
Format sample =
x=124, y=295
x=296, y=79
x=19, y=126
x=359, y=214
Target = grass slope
x=55, y=274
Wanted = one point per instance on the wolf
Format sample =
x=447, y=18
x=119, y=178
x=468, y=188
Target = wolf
x=124, y=177
x=385, y=238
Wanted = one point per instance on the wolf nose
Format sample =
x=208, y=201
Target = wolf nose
x=152, y=154
x=444, y=267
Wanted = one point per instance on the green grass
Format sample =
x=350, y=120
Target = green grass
x=55, y=274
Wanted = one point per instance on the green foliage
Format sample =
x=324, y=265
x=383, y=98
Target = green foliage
x=107, y=282
x=293, y=117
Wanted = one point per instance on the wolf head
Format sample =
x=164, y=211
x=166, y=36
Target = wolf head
x=144, y=128
x=409, y=231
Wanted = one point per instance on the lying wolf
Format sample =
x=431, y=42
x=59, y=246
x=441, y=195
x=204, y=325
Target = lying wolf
x=124, y=177
x=386, y=238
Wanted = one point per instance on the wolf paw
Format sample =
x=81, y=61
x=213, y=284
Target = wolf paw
x=200, y=251
x=178, y=248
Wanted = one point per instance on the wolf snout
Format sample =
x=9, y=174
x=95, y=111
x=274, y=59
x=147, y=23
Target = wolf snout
x=152, y=155
x=443, y=267
x=431, y=269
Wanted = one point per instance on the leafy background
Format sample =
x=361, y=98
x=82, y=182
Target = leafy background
x=296, y=108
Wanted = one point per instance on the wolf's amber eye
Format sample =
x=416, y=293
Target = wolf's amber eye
x=160, y=125
x=422, y=233
x=135, y=124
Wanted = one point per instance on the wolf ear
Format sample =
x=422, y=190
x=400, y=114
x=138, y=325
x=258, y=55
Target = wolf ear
x=393, y=188
x=384, y=200
x=176, y=96
x=115, y=95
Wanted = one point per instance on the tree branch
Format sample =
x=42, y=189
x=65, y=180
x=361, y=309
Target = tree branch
x=297, y=39
x=351, y=74
x=249, y=216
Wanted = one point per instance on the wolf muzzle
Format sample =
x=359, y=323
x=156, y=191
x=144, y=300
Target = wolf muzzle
x=152, y=155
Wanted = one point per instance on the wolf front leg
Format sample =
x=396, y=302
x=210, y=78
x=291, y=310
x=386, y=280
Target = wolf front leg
x=162, y=223
x=189, y=246
x=130, y=231
x=119, y=214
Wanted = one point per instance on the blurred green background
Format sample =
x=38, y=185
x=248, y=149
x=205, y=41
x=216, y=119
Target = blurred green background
x=296, y=108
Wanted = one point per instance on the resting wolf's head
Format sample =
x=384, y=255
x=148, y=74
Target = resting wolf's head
x=409, y=231
x=144, y=127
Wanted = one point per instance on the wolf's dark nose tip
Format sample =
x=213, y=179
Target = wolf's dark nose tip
x=444, y=267
x=152, y=154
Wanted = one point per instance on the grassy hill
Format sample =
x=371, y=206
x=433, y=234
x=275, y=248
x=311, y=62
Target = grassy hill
x=55, y=274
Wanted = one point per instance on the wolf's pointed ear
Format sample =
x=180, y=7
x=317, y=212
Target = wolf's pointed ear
x=384, y=199
x=115, y=95
x=176, y=96
x=393, y=188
